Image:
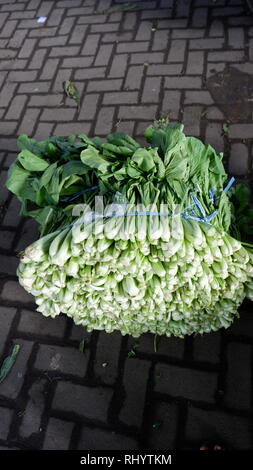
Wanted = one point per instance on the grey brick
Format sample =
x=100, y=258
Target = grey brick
x=177, y=50
x=61, y=359
x=6, y=239
x=89, y=402
x=45, y=8
x=17, y=38
x=103, y=54
x=79, y=333
x=135, y=381
x=199, y=97
x=216, y=28
x=187, y=33
x=214, y=136
x=91, y=44
x=16, y=108
x=8, y=264
x=5, y=422
x=151, y=90
x=101, y=439
x=13, y=383
x=27, y=76
x=56, y=18
x=49, y=69
x=79, y=11
x=130, y=20
x=240, y=131
x=236, y=38
x=104, y=85
x=35, y=324
x=117, y=37
x=163, y=431
x=160, y=41
x=144, y=31
x=78, y=62
x=41, y=33
x=121, y=97
x=12, y=215
x=58, y=435
x=225, y=56
x=12, y=291
x=87, y=74
x=164, y=69
x=207, y=348
x=185, y=382
x=182, y=82
x=7, y=93
x=54, y=41
x=8, y=28
x=148, y=57
x=134, y=77
x=227, y=11
x=104, y=28
x=118, y=66
x=216, y=43
x=38, y=59
x=88, y=107
x=27, y=48
x=242, y=326
x=218, y=426
x=78, y=33
x=72, y=128
x=58, y=114
x=133, y=46
x=8, y=128
x=238, y=160
x=31, y=421
x=137, y=112
x=199, y=18
x=44, y=130
x=104, y=121
x=182, y=8
x=238, y=393
x=64, y=51
x=107, y=356
x=45, y=100
x=91, y=19
x=195, y=64
x=7, y=316
x=171, y=103
x=155, y=14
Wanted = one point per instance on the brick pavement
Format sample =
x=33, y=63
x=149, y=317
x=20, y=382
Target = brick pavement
x=129, y=67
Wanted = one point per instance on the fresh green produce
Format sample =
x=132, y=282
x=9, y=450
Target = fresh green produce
x=165, y=255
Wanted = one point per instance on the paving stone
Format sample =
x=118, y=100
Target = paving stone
x=242, y=326
x=100, y=439
x=234, y=432
x=35, y=324
x=107, y=357
x=6, y=418
x=89, y=402
x=170, y=347
x=238, y=160
x=183, y=381
x=12, y=217
x=12, y=384
x=58, y=435
x=6, y=239
x=163, y=429
x=135, y=378
x=202, y=345
x=61, y=359
x=240, y=131
x=238, y=393
x=32, y=414
x=12, y=291
x=7, y=316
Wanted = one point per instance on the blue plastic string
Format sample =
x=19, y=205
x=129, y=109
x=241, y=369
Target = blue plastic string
x=74, y=196
x=203, y=218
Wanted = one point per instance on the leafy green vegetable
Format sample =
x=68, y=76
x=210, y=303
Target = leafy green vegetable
x=9, y=362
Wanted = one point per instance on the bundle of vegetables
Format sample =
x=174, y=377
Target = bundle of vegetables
x=165, y=256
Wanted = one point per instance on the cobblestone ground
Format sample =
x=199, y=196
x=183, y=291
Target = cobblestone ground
x=163, y=57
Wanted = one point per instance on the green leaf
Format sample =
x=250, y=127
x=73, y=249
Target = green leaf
x=82, y=345
x=225, y=128
x=73, y=167
x=17, y=177
x=92, y=158
x=144, y=159
x=47, y=175
x=31, y=162
x=8, y=362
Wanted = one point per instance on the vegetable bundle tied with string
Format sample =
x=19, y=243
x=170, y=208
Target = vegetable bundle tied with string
x=164, y=255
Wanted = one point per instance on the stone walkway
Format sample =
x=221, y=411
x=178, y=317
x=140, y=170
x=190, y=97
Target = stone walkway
x=191, y=60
